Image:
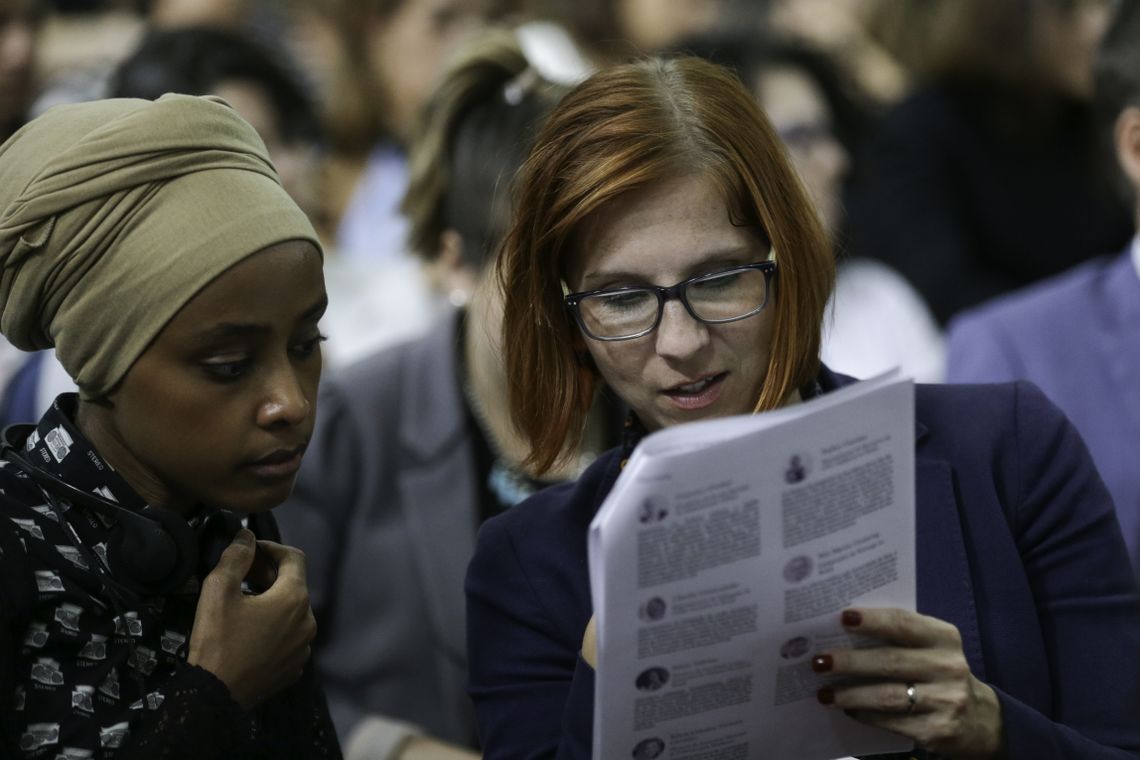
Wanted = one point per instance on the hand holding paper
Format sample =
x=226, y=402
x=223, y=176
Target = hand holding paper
x=922, y=685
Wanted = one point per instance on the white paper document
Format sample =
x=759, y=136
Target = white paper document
x=719, y=564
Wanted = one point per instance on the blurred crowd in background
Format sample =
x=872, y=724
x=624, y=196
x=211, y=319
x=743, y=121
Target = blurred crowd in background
x=952, y=146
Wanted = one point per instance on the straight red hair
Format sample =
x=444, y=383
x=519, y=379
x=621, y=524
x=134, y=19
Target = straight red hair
x=623, y=129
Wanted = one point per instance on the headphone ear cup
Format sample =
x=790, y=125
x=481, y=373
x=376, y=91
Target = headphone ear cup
x=214, y=537
x=154, y=552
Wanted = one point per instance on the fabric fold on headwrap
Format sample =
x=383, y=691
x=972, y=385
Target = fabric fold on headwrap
x=115, y=213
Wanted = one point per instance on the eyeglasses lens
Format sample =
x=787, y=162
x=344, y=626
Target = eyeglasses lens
x=718, y=297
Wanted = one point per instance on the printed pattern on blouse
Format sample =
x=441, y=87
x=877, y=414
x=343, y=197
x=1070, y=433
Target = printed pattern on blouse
x=100, y=672
x=89, y=662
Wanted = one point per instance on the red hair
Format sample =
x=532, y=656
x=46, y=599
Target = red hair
x=623, y=129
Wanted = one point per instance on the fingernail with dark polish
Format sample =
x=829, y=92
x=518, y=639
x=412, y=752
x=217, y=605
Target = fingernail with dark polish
x=849, y=713
x=822, y=663
x=852, y=618
x=826, y=695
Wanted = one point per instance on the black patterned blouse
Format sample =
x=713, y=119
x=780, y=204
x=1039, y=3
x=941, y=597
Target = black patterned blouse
x=92, y=672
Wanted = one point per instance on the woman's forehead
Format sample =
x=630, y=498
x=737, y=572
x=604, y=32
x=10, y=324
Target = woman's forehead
x=668, y=226
x=276, y=286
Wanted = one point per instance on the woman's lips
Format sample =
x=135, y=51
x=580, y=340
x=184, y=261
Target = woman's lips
x=280, y=464
x=698, y=394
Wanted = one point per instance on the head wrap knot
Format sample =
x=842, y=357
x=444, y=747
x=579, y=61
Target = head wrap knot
x=115, y=213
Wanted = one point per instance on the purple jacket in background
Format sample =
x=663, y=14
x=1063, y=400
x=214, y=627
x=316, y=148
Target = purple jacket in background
x=1077, y=337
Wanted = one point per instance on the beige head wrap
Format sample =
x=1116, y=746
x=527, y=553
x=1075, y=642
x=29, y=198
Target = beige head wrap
x=114, y=214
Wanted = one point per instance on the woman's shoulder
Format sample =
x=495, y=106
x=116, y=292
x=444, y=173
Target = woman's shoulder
x=979, y=407
x=1010, y=427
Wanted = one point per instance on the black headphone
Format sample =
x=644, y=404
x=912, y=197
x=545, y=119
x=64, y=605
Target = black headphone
x=150, y=552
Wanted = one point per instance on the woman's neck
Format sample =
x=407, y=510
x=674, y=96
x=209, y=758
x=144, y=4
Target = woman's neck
x=93, y=418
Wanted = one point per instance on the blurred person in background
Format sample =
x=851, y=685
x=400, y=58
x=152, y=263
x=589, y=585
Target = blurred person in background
x=206, y=60
x=19, y=31
x=20, y=22
x=875, y=319
x=414, y=449
x=851, y=32
x=985, y=178
x=1076, y=335
x=567, y=39
x=390, y=55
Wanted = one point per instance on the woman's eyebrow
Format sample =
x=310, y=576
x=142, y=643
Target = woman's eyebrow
x=226, y=330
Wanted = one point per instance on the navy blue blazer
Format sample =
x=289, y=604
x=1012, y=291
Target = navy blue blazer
x=1017, y=545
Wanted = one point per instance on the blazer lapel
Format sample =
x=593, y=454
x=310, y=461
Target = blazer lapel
x=945, y=589
x=434, y=458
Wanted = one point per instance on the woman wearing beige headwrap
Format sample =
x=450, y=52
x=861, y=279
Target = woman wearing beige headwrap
x=152, y=245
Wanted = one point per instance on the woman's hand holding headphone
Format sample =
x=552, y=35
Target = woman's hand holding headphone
x=256, y=645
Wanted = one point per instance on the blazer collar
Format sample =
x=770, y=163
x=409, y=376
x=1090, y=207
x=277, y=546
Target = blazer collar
x=829, y=381
x=433, y=416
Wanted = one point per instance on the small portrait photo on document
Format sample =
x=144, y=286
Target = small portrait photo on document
x=653, y=610
x=795, y=648
x=653, y=509
x=648, y=749
x=652, y=679
x=798, y=568
x=799, y=467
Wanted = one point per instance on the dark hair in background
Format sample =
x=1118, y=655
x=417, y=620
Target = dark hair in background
x=357, y=108
x=195, y=60
x=996, y=41
x=1117, y=69
x=750, y=55
x=474, y=134
x=1117, y=80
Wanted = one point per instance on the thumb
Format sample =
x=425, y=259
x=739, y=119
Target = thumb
x=236, y=560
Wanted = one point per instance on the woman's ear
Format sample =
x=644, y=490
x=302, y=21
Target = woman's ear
x=1126, y=135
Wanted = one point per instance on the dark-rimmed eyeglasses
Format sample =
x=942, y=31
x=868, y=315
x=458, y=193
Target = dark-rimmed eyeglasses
x=715, y=298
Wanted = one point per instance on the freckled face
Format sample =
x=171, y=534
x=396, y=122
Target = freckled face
x=218, y=409
x=684, y=370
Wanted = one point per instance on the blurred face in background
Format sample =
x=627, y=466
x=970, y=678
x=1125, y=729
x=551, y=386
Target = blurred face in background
x=1069, y=34
x=802, y=118
x=409, y=47
x=296, y=162
x=653, y=25
x=19, y=27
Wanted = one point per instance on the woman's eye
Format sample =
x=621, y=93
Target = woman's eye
x=630, y=301
x=226, y=370
x=719, y=282
x=307, y=348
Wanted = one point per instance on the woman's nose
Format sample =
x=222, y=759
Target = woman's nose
x=679, y=334
x=287, y=400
